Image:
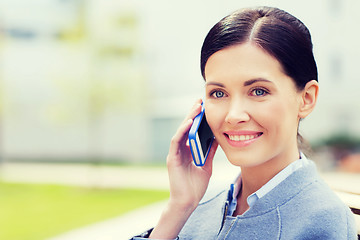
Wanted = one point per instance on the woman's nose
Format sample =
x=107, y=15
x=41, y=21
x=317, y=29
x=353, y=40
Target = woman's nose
x=237, y=113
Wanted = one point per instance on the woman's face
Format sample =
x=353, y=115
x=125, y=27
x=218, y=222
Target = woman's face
x=252, y=106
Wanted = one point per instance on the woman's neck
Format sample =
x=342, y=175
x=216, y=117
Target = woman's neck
x=253, y=178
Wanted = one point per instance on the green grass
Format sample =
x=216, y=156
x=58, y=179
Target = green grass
x=36, y=212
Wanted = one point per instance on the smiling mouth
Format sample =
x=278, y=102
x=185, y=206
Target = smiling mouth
x=246, y=137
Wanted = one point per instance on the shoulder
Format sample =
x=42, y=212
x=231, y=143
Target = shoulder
x=320, y=213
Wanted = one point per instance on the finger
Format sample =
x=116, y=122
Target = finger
x=182, y=132
x=180, y=137
x=195, y=110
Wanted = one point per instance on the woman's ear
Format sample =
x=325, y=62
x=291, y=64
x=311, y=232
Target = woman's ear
x=308, y=98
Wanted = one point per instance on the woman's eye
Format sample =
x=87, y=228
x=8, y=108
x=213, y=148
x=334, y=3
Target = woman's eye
x=218, y=94
x=259, y=92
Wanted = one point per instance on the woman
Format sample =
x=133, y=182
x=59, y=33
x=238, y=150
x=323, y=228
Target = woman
x=261, y=80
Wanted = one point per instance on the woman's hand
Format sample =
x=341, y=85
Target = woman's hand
x=188, y=182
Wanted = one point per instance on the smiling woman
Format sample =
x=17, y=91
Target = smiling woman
x=259, y=106
x=261, y=80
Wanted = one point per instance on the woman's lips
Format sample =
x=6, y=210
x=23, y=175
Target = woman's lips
x=242, y=138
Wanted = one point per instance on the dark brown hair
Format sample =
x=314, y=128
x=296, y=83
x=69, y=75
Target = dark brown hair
x=277, y=32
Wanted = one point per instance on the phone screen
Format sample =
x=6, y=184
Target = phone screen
x=200, y=138
x=205, y=135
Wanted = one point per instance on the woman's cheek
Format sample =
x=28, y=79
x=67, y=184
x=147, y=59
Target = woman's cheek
x=274, y=115
x=215, y=116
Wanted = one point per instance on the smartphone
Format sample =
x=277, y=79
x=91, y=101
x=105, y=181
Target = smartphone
x=200, y=138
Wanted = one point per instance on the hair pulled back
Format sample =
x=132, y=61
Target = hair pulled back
x=277, y=32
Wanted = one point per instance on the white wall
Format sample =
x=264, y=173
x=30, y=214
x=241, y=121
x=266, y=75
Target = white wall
x=47, y=84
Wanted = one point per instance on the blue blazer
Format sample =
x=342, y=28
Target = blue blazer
x=300, y=207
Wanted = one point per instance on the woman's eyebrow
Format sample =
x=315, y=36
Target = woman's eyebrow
x=215, y=83
x=252, y=81
x=246, y=83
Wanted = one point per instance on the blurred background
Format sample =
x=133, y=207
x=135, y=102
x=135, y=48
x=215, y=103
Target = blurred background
x=108, y=81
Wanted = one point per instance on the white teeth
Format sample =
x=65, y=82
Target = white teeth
x=242, y=137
